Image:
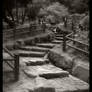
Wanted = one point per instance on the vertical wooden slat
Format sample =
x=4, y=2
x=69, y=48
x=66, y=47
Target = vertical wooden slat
x=16, y=67
x=64, y=42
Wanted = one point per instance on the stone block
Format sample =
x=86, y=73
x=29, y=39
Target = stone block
x=81, y=71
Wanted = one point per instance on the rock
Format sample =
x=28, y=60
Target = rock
x=46, y=71
x=60, y=61
x=43, y=89
x=81, y=71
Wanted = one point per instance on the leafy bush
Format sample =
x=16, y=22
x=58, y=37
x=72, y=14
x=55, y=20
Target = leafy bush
x=33, y=11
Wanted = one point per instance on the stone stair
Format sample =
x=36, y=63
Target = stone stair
x=34, y=48
x=48, y=78
x=24, y=53
x=45, y=45
x=47, y=71
x=56, y=42
x=59, y=38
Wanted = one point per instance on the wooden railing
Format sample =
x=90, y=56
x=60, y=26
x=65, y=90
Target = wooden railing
x=15, y=65
x=67, y=39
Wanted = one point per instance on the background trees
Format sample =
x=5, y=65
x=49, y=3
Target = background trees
x=8, y=6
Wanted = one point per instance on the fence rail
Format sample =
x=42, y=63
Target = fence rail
x=67, y=37
x=15, y=65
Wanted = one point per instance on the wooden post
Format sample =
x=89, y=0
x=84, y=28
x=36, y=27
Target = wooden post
x=16, y=67
x=65, y=22
x=64, y=42
x=73, y=31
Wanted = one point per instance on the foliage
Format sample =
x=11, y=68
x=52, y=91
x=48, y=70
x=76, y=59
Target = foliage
x=57, y=10
x=8, y=6
x=78, y=6
x=85, y=23
x=33, y=11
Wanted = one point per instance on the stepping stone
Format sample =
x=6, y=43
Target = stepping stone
x=40, y=49
x=46, y=71
x=37, y=61
x=59, y=38
x=66, y=84
x=24, y=53
x=34, y=48
x=45, y=45
x=56, y=42
x=59, y=35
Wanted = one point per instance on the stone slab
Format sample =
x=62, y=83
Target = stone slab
x=59, y=38
x=34, y=48
x=56, y=41
x=46, y=45
x=37, y=61
x=59, y=35
x=24, y=53
x=47, y=71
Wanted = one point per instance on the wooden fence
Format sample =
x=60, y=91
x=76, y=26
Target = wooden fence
x=70, y=38
x=14, y=65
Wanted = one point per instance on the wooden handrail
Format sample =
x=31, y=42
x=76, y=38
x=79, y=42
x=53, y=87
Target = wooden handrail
x=69, y=34
x=78, y=49
x=12, y=55
x=71, y=39
x=77, y=41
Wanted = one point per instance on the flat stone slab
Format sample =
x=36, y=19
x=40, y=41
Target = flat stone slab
x=46, y=71
x=56, y=41
x=37, y=61
x=81, y=71
x=59, y=35
x=66, y=84
x=34, y=48
x=24, y=53
x=45, y=45
x=59, y=38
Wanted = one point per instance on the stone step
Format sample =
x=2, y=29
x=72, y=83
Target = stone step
x=37, y=61
x=24, y=53
x=45, y=45
x=59, y=38
x=66, y=84
x=58, y=35
x=47, y=71
x=34, y=48
x=56, y=41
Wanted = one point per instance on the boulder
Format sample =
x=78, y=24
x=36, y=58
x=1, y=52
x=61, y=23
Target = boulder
x=60, y=60
x=81, y=71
